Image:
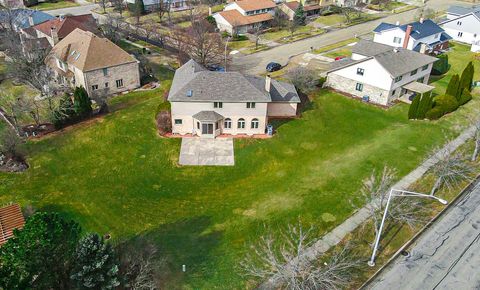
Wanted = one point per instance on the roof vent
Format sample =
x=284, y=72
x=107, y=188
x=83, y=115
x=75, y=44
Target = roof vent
x=189, y=93
x=395, y=50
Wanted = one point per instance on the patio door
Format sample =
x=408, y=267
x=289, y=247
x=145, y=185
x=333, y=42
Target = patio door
x=207, y=129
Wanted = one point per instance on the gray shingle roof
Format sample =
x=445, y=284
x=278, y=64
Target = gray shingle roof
x=419, y=29
x=193, y=83
x=205, y=116
x=462, y=10
x=397, y=61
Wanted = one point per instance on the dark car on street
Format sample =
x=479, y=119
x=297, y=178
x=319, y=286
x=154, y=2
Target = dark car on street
x=273, y=66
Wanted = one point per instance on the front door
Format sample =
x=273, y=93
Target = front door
x=207, y=129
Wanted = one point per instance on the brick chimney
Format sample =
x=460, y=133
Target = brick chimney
x=54, y=34
x=268, y=83
x=407, y=36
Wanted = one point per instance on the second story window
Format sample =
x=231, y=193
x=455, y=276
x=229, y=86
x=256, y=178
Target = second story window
x=218, y=105
x=119, y=83
x=397, y=40
x=360, y=71
x=397, y=79
x=94, y=87
x=459, y=23
x=228, y=123
x=425, y=67
x=105, y=72
x=250, y=105
x=414, y=72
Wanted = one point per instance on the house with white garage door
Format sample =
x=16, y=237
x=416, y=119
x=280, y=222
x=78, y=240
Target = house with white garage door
x=380, y=74
x=463, y=24
x=210, y=103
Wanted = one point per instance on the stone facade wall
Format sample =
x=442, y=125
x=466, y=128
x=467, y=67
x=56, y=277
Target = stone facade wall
x=342, y=84
x=129, y=73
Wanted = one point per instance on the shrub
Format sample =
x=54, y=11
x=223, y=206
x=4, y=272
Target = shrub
x=453, y=88
x=434, y=114
x=413, y=110
x=426, y=103
x=443, y=105
x=303, y=79
x=465, y=97
x=466, y=79
x=211, y=20
x=321, y=81
x=240, y=37
x=441, y=66
x=11, y=145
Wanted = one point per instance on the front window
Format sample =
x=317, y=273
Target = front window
x=250, y=105
x=425, y=67
x=254, y=124
x=360, y=71
x=106, y=84
x=178, y=122
x=414, y=72
x=218, y=105
x=119, y=83
x=241, y=123
x=397, y=40
x=359, y=87
x=397, y=79
x=94, y=87
x=228, y=123
x=105, y=72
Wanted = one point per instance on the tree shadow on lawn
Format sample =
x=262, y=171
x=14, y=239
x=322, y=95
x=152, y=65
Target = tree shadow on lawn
x=185, y=242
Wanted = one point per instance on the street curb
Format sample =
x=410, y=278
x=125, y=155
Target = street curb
x=466, y=189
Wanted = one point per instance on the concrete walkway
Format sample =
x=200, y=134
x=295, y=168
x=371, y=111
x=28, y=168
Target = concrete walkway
x=340, y=232
x=203, y=151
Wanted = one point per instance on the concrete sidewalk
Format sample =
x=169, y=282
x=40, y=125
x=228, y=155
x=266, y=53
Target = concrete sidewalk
x=340, y=232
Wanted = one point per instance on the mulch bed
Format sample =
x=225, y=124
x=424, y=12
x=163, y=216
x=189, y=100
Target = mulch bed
x=34, y=131
x=12, y=165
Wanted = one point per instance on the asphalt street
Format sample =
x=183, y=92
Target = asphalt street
x=256, y=63
x=78, y=10
x=446, y=256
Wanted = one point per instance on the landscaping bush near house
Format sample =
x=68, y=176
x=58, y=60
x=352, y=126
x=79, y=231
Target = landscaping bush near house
x=465, y=97
x=443, y=104
x=239, y=37
x=164, y=118
x=420, y=106
x=441, y=66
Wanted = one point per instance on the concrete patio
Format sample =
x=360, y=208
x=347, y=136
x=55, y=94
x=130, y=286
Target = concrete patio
x=202, y=151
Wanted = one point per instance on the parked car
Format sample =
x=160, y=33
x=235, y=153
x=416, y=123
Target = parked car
x=273, y=66
x=216, y=67
x=340, y=57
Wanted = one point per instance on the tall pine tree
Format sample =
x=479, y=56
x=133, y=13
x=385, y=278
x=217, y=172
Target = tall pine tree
x=81, y=102
x=413, y=110
x=299, y=17
x=467, y=78
x=453, y=88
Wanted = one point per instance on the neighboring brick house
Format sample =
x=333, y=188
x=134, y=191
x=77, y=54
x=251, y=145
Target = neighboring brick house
x=101, y=67
x=207, y=103
x=311, y=8
x=58, y=28
x=242, y=16
x=11, y=218
x=380, y=74
x=463, y=24
x=424, y=36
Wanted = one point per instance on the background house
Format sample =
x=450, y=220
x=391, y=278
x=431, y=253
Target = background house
x=380, y=74
x=96, y=63
x=151, y=5
x=23, y=18
x=310, y=9
x=463, y=24
x=58, y=28
x=12, y=3
x=207, y=103
x=424, y=36
x=241, y=16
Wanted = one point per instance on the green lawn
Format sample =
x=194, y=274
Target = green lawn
x=56, y=5
x=331, y=19
x=345, y=51
x=115, y=175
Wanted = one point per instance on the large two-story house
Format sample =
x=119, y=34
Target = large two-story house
x=424, y=36
x=101, y=67
x=241, y=16
x=380, y=74
x=463, y=24
x=207, y=103
x=172, y=5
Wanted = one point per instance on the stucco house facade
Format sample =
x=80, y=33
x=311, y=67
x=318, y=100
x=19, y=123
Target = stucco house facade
x=207, y=103
x=424, y=36
x=463, y=24
x=241, y=16
x=380, y=74
x=101, y=67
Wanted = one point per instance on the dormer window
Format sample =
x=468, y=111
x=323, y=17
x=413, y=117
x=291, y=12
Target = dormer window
x=360, y=71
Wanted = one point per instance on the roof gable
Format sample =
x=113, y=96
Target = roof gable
x=419, y=29
x=65, y=25
x=251, y=5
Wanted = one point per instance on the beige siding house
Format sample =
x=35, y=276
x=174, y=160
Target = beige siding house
x=96, y=63
x=207, y=103
x=380, y=73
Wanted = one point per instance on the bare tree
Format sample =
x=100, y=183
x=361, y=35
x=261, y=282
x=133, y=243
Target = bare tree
x=160, y=8
x=119, y=6
x=199, y=42
x=103, y=4
x=284, y=260
x=11, y=145
x=112, y=28
x=475, y=121
x=304, y=79
x=449, y=168
x=350, y=11
x=257, y=31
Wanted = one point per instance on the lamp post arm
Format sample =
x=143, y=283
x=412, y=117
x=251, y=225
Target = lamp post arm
x=377, y=239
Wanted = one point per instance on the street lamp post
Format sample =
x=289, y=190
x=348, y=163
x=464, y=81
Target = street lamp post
x=226, y=47
x=393, y=193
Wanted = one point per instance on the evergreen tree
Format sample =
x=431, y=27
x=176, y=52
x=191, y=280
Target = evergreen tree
x=467, y=78
x=95, y=266
x=65, y=112
x=40, y=255
x=425, y=105
x=412, y=111
x=453, y=88
x=441, y=66
x=82, y=103
x=300, y=18
x=465, y=97
x=139, y=7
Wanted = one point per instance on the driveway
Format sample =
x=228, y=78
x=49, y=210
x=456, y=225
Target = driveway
x=202, y=151
x=256, y=63
x=446, y=256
